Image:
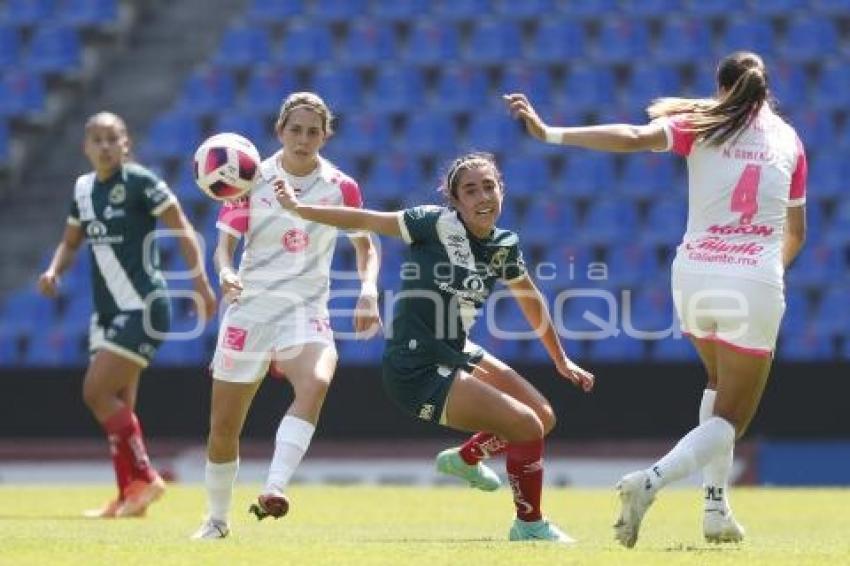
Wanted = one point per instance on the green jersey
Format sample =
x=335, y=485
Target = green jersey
x=118, y=217
x=447, y=276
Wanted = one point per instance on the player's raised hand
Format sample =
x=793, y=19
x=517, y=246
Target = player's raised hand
x=48, y=284
x=580, y=377
x=285, y=195
x=521, y=108
x=231, y=285
x=367, y=319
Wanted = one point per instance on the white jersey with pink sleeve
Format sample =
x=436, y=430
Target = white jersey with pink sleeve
x=738, y=194
x=286, y=260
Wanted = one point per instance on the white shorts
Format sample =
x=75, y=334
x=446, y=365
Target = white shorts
x=743, y=314
x=246, y=350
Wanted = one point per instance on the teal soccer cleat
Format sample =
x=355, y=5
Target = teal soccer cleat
x=541, y=530
x=478, y=475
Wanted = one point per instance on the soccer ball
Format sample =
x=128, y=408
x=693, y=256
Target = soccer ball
x=226, y=166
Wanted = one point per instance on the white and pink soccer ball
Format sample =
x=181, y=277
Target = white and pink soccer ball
x=226, y=166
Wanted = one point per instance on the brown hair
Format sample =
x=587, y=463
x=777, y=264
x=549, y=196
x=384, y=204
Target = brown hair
x=308, y=100
x=464, y=163
x=742, y=78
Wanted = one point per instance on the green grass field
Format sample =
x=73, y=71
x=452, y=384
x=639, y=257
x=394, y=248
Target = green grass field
x=400, y=526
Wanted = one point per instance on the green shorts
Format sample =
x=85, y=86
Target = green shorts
x=129, y=334
x=418, y=387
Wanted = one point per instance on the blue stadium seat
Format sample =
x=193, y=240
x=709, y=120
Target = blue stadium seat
x=809, y=39
x=89, y=13
x=815, y=128
x=429, y=133
x=493, y=131
x=369, y=42
x=593, y=9
x=461, y=10
x=462, y=88
x=810, y=345
x=28, y=13
x=548, y=220
x=682, y=40
x=527, y=10
x=649, y=310
x=558, y=40
x=341, y=87
x=622, y=40
x=832, y=88
x=54, y=347
x=828, y=173
x=509, y=217
x=432, y=42
x=797, y=311
x=747, y=33
x=837, y=234
x=305, y=45
x=247, y=124
x=620, y=348
x=28, y=309
x=649, y=175
x=10, y=47
x=363, y=133
x=665, y=221
x=631, y=265
x=22, y=94
x=267, y=12
x=395, y=11
x=832, y=315
x=831, y=7
x=788, y=84
x=817, y=266
x=242, y=46
x=531, y=80
x=394, y=175
x=173, y=135
x=363, y=352
x=207, y=91
x=610, y=221
x=526, y=176
x=494, y=42
x=589, y=86
x=55, y=49
x=714, y=8
x=589, y=314
x=267, y=86
x=781, y=8
x=564, y=264
x=651, y=8
x=338, y=10
x=587, y=174
x=650, y=81
x=398, y=89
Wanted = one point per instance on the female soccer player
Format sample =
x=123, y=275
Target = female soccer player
x=456, y=255
x=116, y=207
x=746, y=224
x=278, y=312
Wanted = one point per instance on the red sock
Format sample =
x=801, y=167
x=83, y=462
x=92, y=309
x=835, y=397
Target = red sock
x=131, y=451
x=525, y=474
x=121, y=464
x=481, y=445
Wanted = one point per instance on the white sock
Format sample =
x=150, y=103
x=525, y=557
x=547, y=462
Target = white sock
x=716, y=473
x=291, y=442
x=701, y=445
x=219, y=479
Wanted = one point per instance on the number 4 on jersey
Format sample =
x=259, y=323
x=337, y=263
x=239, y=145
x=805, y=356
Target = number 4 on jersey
x=745, y=195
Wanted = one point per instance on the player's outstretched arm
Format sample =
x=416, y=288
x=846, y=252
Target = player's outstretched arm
x=608, y=137
x=533, y=306
x=63, y=257
x=347, y=218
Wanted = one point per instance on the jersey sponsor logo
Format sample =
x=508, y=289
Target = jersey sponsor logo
x=444, y=371
x=426, y=412
x=97, y=234
x=117, y=194
x=497, y=262
x=158, y=193
x=716, y=244
x=109, y=213
x=473, y=282
x=749, y=229
x=234, y=338
x=295, y=240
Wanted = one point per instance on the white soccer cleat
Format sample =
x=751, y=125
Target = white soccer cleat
x=211, y=529
x=636, y=496
x=718, y=525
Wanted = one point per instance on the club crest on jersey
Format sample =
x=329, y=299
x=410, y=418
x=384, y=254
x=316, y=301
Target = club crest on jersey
x=96, y=229
x=234, y=338
x=117, y=194
x=497, y=262
x=295, y=240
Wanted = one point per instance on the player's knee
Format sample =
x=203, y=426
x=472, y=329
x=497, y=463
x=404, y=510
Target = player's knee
x=527, y=425
x=312, y=390
x=547, y=418
x=93, y=397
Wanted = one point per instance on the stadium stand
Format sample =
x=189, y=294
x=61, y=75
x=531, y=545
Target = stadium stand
x=415, y=82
